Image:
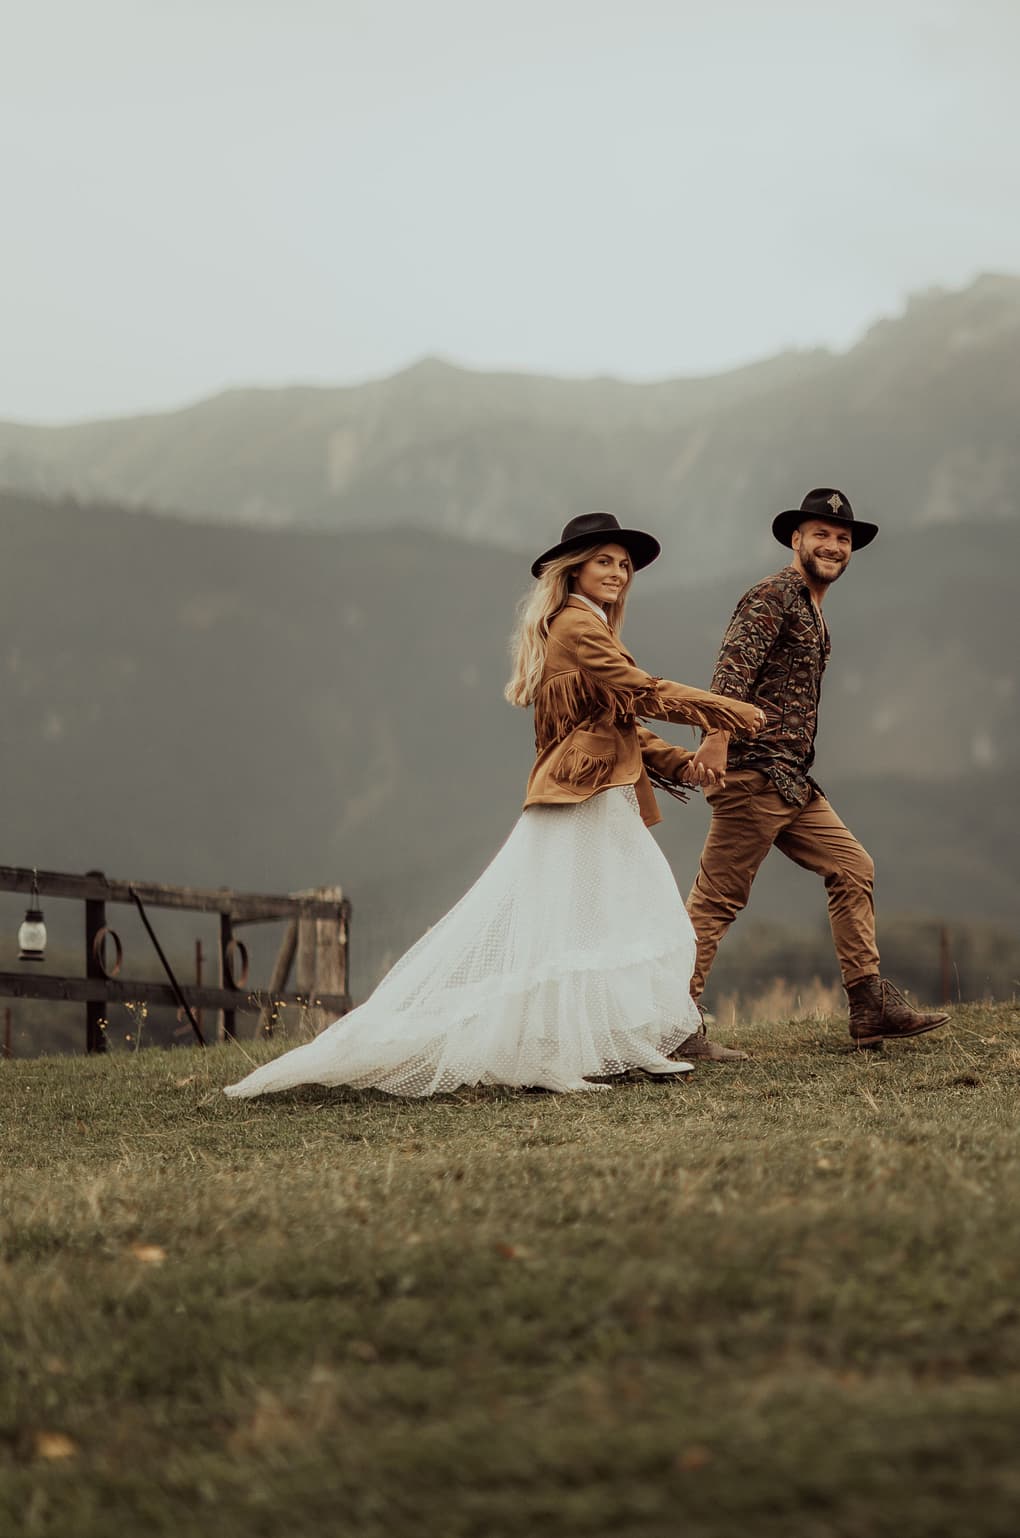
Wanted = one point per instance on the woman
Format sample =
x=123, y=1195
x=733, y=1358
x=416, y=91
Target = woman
x=571, y=956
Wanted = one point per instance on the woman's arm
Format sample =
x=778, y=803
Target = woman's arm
x=662, y=757
x=638, y=693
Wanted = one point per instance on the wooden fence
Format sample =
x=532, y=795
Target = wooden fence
x=317, y=939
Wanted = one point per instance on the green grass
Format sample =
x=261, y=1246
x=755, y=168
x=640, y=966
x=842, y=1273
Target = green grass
x=780, y=1299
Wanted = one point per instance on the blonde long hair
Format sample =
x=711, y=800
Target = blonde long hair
x=530, y=640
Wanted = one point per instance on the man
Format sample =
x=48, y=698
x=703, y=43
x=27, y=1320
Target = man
x=774, y=654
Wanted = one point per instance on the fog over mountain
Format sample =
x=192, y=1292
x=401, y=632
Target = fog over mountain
x=917, y=423
x=275, y=709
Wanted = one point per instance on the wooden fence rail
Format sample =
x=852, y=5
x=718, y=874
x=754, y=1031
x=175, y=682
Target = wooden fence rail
x=317, y=936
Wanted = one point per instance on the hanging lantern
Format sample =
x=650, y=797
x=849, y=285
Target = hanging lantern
x=32, y=933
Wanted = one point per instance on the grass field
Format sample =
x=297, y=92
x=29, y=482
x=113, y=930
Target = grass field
x=778, y=1299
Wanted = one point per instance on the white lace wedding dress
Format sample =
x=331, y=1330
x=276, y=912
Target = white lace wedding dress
x=570, y=956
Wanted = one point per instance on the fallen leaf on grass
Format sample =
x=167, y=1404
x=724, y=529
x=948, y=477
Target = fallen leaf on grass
x=180, y=1083
x=149, y=1254
x=511, y=1251
x=56, y=1365
x=54, y=1445
x=692, y=1458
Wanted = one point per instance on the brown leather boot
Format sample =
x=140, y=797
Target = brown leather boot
x=698, y=1048
x=879, y=1012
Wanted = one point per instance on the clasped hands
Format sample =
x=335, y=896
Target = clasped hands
x=708, y=766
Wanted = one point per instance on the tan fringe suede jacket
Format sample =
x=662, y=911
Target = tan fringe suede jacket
x=587, y=735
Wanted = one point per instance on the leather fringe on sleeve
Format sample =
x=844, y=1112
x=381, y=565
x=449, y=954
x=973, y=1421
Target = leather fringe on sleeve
x=575, y=698
x=699, y=708
x=568, y=700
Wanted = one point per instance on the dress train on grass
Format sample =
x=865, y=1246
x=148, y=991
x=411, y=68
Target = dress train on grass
x=570, y=957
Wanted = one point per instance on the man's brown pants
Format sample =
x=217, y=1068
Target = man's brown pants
x=748, y=817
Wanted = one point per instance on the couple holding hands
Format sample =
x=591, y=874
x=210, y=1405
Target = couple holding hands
x=573, y=957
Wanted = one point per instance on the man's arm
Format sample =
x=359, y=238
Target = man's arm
x=750, y=636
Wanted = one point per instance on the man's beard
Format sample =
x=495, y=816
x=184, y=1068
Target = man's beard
x=821, y=573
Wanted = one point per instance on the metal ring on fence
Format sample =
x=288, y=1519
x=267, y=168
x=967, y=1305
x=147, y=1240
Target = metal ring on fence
x=99, y=940
x=235, y=948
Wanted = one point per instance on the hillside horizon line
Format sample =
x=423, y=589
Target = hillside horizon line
x=436, y=363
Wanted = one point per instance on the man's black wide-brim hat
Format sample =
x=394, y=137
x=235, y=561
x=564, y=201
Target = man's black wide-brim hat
x=832, y=506
x=601, y=528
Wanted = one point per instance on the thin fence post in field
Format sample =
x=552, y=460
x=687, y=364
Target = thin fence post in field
x=95, y=1009
x=228, y=1018
x=199, y=958
x=945, y=966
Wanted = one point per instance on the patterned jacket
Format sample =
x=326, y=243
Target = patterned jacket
x=774, y=653
x=587, y=735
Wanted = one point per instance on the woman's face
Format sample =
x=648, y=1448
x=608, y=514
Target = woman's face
x=604, y=575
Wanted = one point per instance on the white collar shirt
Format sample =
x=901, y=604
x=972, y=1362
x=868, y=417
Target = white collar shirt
x=597, y=608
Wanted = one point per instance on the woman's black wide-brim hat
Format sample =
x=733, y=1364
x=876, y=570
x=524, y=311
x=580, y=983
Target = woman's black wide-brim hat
x=602, y=528
x=832, y=506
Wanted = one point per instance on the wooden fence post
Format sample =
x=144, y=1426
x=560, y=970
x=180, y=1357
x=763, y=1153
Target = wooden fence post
x=199, y=959
x=95, y=1010
x=322, y=956
x=228, y=1017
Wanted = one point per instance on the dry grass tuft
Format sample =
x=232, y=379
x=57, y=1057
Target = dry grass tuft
x=782, y=1002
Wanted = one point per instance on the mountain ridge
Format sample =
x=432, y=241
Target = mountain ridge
x=916, y=422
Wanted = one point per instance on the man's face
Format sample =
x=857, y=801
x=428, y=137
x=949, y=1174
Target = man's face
x=823, y=549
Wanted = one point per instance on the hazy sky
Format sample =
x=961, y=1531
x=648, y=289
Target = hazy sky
x=199, y=193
